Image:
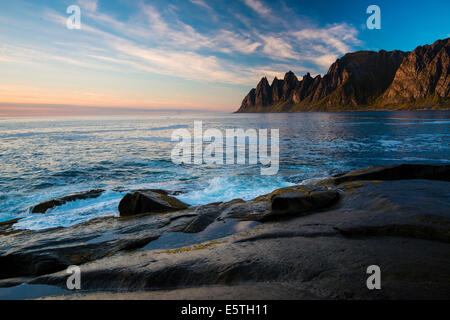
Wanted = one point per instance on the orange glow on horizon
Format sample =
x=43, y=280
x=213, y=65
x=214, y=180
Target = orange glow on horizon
x=32, y=100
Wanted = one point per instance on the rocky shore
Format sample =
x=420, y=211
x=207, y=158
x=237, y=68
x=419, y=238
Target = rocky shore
x=302, y=242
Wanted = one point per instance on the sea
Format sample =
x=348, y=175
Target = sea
x=42, y=158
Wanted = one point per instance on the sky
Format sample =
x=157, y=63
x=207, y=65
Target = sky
x=139, y=55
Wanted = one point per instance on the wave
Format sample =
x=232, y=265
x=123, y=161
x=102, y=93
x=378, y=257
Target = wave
x=73, y=212
x=226, y=188
x=169, y=127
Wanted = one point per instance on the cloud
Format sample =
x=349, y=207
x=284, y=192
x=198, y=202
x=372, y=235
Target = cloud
x=201, y=3
x=172, y=47
x=339, y=37
x=160, y=42
x=277, y=47
x=230, y=42
x=325, y=61
x=175, y=55
x=258, y=7
x=183, y=36
x=90, y=5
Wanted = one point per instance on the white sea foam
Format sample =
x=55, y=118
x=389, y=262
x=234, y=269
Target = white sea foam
x=45, y=158
x=226, y=188
x=218, y=189
x=73, y=212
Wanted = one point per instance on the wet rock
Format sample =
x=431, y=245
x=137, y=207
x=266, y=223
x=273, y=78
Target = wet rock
x=149, y=201
x=207, y=214
x=411, y=231
x=6, y=227
x=284, y=202
x=400, y=225
x=55, y=202
x=396, y=172
x=292, y=203
x=176, y=193
x=166, y=192
x=27, y=253
x=253, y=211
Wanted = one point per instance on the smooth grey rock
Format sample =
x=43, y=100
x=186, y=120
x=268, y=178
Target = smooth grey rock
x=291, y=203
x=322, y=255
x=403, y=226
x=55, y=202
x=32, y=253
x=149, y=201
x=397, y=172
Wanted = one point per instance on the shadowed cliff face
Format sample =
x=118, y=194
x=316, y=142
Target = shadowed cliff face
x=362, y=80
x=423, y=74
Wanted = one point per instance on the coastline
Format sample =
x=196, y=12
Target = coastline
x=350, y=110
x=305, y=241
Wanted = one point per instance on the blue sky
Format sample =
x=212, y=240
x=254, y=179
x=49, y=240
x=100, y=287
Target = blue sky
x=187, y=54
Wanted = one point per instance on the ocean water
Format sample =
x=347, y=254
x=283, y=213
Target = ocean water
x=41, y=158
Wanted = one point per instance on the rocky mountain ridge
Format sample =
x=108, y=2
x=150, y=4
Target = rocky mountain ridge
x=363, y=80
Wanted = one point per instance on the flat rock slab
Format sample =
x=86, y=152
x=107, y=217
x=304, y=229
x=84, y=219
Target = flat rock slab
x=297, y=203
x=283, y=203
x=32, y=253
x=403, y=226
x=397, y=172
x=325, y=267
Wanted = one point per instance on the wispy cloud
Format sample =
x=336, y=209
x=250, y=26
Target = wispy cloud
x=340, y=37
x=152, y=40
x=178, y=41
x=324, y=45
x=90, y=5
x=278, y=47
x=258, y=6
x=152, y=43
x=201, y=3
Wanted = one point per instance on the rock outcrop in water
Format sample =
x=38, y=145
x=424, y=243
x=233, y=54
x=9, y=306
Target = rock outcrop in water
x=55, y=202
x=363, y=80
x=308, y=241
x=149, y=201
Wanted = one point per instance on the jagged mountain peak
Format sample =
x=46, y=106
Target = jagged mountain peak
x=361, y=80
x=290, y=76
x=263, y=82
x=307, y=76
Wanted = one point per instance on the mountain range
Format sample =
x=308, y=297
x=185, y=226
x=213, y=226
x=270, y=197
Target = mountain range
x=363, y=80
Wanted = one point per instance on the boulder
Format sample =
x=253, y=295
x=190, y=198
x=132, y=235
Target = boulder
x=206, y=215
x=149, y=201
x=6, y=227
x=291, y=203
x=55, y=202
x=286, y=202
